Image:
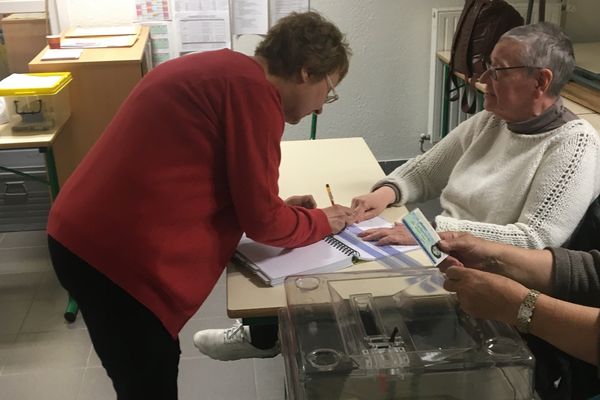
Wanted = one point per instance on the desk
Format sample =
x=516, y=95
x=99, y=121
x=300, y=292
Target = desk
x=307, y=165
x=44, y=143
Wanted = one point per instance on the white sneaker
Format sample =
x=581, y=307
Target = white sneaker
x=230, y=344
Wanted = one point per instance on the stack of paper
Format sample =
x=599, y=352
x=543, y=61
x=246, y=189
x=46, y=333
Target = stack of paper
x=61, y=54
x=100, y=36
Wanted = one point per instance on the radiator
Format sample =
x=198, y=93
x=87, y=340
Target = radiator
x=443, y=26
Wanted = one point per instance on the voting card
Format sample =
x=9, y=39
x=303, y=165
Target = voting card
x=424, y=234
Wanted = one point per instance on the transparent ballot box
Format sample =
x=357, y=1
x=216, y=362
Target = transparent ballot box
x=395, y=335
x=36, y=102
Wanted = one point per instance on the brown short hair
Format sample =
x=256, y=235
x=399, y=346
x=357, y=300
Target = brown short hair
x=305, y=40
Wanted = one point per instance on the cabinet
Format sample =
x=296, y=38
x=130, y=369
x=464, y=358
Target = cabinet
x=102, y=79
x=25, y=36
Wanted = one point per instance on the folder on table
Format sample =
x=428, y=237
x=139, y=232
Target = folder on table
x=272, y=264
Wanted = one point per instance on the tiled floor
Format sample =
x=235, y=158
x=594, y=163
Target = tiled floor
x=43, y=357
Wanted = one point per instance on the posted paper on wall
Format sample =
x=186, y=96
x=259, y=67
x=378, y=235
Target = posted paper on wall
x=250, y=17
x=152, y=10
x=161, y=38
x=202, y=31
x=200, y=5
x=281, y=8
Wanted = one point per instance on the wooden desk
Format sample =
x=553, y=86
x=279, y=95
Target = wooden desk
x=102, y=79
x=307, y=165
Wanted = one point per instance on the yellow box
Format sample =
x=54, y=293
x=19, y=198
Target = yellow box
x=36, y=102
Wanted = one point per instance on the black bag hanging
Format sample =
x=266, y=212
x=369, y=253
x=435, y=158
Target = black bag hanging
x=480, y=25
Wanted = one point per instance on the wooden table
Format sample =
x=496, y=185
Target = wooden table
x=307, y=165
x=42, y=141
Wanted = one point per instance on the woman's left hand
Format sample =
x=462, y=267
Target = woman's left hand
x=385, y=236
x=305, y=200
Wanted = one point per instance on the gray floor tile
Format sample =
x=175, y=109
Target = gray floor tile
x=93, y=359
x=270, y=378
x=49, y=350
x=6, y=344
x=24, y=259
x=12, y=316
x=96, y=385
x=19, y=286
x=207, y=379
x=48, y=286
x=46, y=315
x=24, y=239
x=61, y=384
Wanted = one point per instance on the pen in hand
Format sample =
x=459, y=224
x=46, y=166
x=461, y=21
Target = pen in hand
x=329, y=194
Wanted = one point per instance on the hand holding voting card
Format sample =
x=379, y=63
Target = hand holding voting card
x=420, y=228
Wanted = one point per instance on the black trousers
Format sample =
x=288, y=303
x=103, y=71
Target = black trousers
x=138, y=353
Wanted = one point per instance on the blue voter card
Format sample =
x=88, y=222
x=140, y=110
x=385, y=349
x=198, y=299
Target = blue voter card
x=424, y=234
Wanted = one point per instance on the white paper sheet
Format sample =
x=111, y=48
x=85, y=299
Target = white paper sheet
x=250, y=17
x=202, y=31
x=200, y=5
x=281, y=8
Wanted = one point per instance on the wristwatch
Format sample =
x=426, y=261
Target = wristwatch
x=526, y=311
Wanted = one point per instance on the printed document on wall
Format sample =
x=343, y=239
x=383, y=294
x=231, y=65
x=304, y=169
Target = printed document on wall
x=152, y=10
x=281, y=8
x=250, y=17
x=202, y=31
x=162, y=41
x=200, y=5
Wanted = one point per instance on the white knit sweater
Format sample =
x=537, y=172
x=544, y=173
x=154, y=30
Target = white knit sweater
x=526, y=190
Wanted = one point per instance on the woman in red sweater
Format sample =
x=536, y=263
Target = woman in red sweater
x=144, y=227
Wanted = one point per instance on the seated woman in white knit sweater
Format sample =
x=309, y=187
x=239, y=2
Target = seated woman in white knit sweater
x=522, y=172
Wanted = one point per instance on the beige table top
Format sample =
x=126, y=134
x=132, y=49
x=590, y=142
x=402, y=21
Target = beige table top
x=307, y=165
x=26, y=140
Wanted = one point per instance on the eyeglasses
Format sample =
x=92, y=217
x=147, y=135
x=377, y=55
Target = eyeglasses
x=493, y=71
x=333, y=96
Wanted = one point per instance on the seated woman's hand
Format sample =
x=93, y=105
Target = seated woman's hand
x=371, y=205
x=385, y=236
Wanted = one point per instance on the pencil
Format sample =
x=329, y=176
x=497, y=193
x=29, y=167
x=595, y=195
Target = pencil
x=328, y=188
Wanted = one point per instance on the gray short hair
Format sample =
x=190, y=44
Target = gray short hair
x=546, y=45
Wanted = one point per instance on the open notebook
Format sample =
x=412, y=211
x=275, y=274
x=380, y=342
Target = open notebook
x=273, y=264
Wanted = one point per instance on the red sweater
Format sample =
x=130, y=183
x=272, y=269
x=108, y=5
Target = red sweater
x=189, y=162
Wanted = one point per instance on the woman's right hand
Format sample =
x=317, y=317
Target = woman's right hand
x=339, y=217
x=371, y=205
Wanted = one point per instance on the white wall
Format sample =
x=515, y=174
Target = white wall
x=582, y=23
x=384, y=96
